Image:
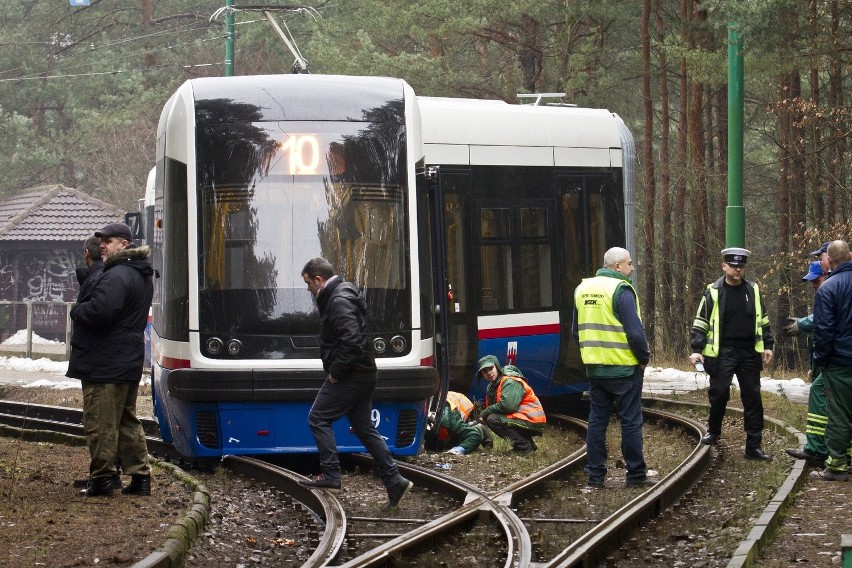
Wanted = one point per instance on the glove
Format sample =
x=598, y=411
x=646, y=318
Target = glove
x=791, y=328
x=457, y=451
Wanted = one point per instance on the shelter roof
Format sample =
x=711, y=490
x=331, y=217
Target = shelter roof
x=54, y=213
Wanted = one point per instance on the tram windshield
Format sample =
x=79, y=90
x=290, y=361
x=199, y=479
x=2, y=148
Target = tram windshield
x=273, y=195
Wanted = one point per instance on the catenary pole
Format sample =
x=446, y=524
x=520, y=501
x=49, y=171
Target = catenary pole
x=735, y=213
x=229, y=40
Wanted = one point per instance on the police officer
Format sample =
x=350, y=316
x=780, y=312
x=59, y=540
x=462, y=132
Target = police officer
x=731, y=335
x=615, y=350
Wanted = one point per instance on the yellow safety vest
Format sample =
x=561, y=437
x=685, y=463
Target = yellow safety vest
x=602, y=337
x=711, y=328
x=458, y=401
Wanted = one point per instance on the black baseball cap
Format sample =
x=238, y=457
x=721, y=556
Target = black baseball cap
x=115, y=230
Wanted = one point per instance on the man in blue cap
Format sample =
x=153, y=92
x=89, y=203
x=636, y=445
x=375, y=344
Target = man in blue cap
x=731, y=335
x=814, y=451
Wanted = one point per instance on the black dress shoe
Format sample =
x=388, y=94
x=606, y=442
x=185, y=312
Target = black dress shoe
x=757, y=454
x=812, y=459
x=709, y=439
x=139, y=485
x=97, y=487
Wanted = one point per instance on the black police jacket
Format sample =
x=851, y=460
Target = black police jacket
x=109, y=326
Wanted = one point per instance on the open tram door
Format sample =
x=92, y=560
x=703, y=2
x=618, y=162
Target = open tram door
x=430, y=194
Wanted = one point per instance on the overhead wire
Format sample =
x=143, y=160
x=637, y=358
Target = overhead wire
x=187, y=28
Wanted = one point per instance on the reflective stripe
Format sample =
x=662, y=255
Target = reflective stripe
x=605, y=344
x=600, y=327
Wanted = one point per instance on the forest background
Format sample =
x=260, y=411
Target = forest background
x=81, y=90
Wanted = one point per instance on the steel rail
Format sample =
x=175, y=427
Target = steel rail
x=322, y=504
x=476, y=503
x=64, y=420
x=589, y=549
x=594, y=546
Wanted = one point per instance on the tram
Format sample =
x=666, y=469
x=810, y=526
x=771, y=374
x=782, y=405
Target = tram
x=255, y=176
x=533, y=195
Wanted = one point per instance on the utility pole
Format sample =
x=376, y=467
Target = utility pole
x=229, y=39
x=735, y=213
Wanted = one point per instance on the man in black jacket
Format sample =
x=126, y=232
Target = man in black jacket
x=833, y=353
x=109, y=327
x=351, y=376
x=87, y=276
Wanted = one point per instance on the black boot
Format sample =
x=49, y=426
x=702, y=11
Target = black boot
x=139, y=485
x=98, y=486
x=83, y=483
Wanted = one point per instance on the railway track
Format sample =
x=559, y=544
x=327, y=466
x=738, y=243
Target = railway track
x=337, y=537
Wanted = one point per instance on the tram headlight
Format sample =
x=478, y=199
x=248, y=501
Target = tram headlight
x=214, y=345
x=398, y=343
x=380, y=345
x=234, y=347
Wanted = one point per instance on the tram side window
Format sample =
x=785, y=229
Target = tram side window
x=536, y=289
x=606, y=215
x=496, y=270
x=575, y=263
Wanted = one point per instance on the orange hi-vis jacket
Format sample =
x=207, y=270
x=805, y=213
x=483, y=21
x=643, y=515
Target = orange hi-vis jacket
x=530, y=409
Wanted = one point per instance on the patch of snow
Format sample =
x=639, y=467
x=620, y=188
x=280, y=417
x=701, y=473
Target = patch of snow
x=42, y=365
x=20, y=338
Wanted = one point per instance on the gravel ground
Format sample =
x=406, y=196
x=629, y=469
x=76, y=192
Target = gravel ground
x=699, y=532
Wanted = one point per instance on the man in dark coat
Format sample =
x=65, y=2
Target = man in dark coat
x=351, y=376
x=833, y=353
x=110, y=350
x=87, y=276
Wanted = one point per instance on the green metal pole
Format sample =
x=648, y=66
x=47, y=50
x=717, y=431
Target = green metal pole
x=735, y=214
x=229, y=40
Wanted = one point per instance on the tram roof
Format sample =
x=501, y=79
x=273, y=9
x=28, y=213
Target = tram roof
x=298, y=97
x=497, y=123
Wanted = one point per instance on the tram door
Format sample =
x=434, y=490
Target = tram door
x=515, y=287
x=461, y=319
x=591, y=217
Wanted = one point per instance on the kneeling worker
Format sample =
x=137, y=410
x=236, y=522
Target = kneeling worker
x=512, y=410
x=453, y=432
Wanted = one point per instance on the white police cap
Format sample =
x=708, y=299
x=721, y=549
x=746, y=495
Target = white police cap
x=736, y=256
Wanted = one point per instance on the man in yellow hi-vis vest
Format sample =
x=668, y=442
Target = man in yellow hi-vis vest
x=614, y=349
x=731, y=335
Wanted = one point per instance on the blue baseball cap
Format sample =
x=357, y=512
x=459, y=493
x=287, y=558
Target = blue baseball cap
x=814, y=272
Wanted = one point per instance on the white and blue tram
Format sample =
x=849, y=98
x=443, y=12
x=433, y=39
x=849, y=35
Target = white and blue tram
x=533, y=196
x=254, y=177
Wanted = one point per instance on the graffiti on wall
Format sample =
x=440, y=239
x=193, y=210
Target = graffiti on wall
x=28, y=275
x=7, y=275
x=42, y=276
x=50, y=277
